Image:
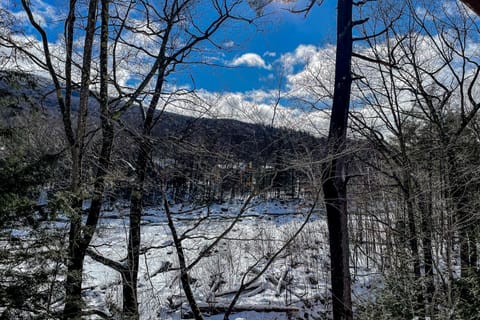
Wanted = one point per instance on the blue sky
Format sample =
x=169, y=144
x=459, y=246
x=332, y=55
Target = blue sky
x=280, y=47
x=274, y=35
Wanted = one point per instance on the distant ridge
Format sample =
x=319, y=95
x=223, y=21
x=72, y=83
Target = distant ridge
x=248, y=142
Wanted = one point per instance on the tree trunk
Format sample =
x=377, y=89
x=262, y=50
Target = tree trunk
x=334, y=174
x=412, y=234
x=336, y=206
x=427, y=227
x=78, y=240
x=184, y=277
x=73, y=297
x=130, y=298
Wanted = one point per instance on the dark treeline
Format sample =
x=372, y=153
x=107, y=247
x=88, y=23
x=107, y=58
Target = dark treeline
x=193, y=159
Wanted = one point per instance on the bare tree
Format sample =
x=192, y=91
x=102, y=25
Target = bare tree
x=419, y=88
x=80, y=235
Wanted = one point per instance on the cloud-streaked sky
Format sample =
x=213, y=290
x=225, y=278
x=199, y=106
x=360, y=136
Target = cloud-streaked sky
x=278, y=70
x=255, y=54
x=257, y=67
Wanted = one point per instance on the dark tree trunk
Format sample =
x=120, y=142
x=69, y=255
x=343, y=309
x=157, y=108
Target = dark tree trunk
x=80, y=237
x=339, y=250
x=427, y=237
x=412, y=229
x=130, y=301
x=73, y=297
x=184, y=277
x=334, y=175
x=76, y=252
x=130, y=298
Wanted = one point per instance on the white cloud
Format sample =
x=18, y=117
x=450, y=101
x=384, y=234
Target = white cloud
x=301, y=55
x=250, y=60
x=270, y=77
x=43, y=13
x=269, y=54
x=309, y=72
x=257, y=106
x=228, y=44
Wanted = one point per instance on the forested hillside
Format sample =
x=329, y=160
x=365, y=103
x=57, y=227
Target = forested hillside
x=220, y=159
x=196, y=149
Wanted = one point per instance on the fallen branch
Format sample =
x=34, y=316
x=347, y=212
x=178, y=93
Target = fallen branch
x=250, y=288
x=117, y=266
x=213, y=309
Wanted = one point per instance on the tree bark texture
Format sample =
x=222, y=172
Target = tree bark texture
x=77, y=248
x=334, y=174
x=80, y=237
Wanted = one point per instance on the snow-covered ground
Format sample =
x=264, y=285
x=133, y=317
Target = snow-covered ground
x=292, y=283
x=297, y=280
